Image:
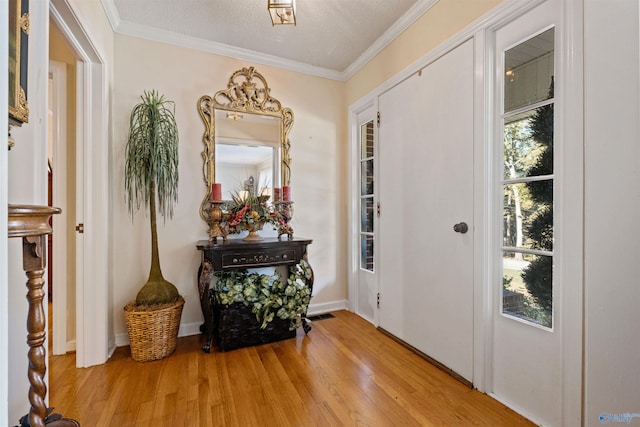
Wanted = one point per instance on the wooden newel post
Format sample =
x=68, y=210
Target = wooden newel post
x=32, y=224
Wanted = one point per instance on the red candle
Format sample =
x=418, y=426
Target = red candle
x=277, y=194
x=286, y=193
x=216, y=191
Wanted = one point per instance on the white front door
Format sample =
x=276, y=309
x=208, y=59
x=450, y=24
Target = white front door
x=426, y=188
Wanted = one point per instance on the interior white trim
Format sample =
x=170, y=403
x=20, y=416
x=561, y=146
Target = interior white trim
x=482, y=163
x=571, y=66
x=58, y=71
x=352, y=212
x=92, y=299
x=412, y=15
x=149, y=33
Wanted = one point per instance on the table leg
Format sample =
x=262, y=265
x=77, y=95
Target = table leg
x=205, y=274
x=34, y=263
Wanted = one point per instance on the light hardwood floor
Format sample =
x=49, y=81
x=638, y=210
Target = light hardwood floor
x=344, y=373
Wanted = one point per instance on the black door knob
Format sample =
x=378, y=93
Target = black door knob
x=461, y=227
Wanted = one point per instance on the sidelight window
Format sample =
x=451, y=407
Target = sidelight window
x=527, y=180
x=366, y=196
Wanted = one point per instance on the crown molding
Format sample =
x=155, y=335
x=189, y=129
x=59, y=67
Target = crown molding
x=111, y=11
x=190, y=42
x=128, y=28
x=405, y=21
x=154, y=34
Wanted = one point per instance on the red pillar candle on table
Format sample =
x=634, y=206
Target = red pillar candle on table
x=286, y=193
x=277, y=194
x=216, y=191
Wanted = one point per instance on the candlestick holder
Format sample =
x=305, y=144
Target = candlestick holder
x=285, y=211
x=216, y=219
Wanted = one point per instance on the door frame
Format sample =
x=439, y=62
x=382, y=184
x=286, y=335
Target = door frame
x=94, y=335
x=60, y=249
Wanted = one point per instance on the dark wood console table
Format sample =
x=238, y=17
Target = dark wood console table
x=236, y=254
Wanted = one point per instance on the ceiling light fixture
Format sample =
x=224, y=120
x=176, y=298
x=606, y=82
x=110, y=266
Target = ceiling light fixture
x=282, y=12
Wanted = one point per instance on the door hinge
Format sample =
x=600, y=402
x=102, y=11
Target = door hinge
x=378, y=119
x=378, y=300
x=80, y=228
x=378, y=209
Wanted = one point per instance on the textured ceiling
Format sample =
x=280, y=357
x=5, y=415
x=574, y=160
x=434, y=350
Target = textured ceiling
x=330, y=34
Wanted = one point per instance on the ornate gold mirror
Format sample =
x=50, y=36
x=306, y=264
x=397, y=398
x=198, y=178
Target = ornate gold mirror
x=244, y=126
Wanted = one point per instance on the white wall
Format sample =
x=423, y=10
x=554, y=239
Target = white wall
x=317, y=150
x=612, y=203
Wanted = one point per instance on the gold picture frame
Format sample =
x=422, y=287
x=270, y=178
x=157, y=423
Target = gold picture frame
x=18, y=64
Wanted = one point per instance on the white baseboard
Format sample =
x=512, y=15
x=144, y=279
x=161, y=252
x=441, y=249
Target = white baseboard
x=315, y=309
x=193, y=328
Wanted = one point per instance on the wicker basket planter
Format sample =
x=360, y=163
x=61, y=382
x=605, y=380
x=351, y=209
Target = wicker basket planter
x=235, y=326
x=153, y=333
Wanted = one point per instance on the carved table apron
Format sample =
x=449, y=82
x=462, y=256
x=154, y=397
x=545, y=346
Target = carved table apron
x=235, y=254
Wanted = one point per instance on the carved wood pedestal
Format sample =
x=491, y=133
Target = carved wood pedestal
x=32, y=224
x=235, y=254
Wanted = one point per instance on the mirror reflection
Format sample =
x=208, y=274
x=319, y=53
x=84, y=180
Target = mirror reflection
x=247, y=152
x=244, y=168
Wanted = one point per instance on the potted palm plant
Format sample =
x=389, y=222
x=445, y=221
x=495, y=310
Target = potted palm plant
x=151, y=175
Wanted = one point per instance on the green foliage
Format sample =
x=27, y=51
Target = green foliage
x=506, y=282
x=532, y=311
x=152, y=155
x=151, y=172
x=537, y=277
x=541, y=228
x=269, y=296
x=539, y=273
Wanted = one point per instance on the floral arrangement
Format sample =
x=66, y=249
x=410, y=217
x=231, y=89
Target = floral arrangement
x=248, y=211
x=269, y=296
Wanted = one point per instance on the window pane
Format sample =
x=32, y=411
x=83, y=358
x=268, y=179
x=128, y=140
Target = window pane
x=366, y=215
x=528, y=215
x=366, y=177
x=366, y=252
x=528, y=143
x=366, y=140
x=528, y=70
x=527, y=290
